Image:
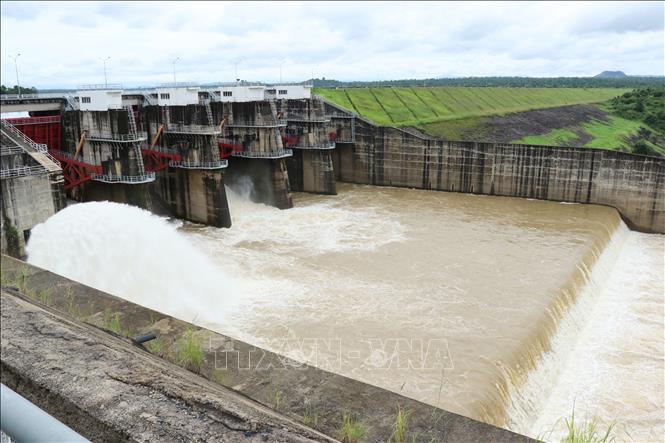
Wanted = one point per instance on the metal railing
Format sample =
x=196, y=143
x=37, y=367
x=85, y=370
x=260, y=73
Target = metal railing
x=11, y=128
x=148, y=99
x=199, y=165
x=42, y=148
x=11, y=150
x=193, y=129
x=281, y=153
x=179, y=85
x=100, y=86
x=127, y=179
x=320, y=146
x=125, y=138
x=22, y=121
x=22, y=171
x=278, y=122
x=18, y=96
x=307, y=118
x=339, y=115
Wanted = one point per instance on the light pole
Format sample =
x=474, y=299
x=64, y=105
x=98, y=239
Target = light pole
x=106, y=83
x=281, y=62
x=235, y=64
x=174, y=60
x=18, y=83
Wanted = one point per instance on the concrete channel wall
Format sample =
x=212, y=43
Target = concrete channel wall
x=295, y=391
x=387, y=156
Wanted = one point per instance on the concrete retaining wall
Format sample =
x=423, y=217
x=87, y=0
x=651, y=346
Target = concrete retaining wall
x=26, y=202
x=633, y=184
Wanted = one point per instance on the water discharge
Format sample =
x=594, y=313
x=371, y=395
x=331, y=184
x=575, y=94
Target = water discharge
x=505, y=310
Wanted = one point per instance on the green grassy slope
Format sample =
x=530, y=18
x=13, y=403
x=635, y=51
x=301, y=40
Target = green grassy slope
x=614, y=134
x=413, y=106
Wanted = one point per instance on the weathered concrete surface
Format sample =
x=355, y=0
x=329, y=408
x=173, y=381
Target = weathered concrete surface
x=259, y=374
x=633, y=184
x=196, y=195
x=107, y=389
x=312, y=171
x=136, y=195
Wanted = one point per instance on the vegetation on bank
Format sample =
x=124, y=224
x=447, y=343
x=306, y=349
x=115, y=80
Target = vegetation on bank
x=635, y=123
x=417, y=106
x=645, y=105
x=14, y=90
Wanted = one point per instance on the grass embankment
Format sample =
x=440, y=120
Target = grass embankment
x=416, y=106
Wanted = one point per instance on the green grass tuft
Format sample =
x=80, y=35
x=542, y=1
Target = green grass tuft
x=22, y=278
x=112, y=323
x=587, y=432
x=353, y=431
x=155, y=347
x=190, y=353
x=400, y=426
x=45, y=297
x=311, y=415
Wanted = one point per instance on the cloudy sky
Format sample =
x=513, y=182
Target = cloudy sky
x=62, y=44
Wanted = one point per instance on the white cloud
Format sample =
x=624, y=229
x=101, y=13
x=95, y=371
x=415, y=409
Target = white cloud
x=62, y=43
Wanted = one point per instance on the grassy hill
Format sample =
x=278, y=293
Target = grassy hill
x=416, y=106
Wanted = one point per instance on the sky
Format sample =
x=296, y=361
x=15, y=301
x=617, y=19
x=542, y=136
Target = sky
x=63, y=44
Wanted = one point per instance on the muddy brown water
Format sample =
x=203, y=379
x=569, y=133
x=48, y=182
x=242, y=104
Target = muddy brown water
x=507, y=310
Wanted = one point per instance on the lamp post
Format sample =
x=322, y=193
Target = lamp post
x=235, y=64
x=18, y=83
x=281, y=62
x=174, y=60
x=104, y=60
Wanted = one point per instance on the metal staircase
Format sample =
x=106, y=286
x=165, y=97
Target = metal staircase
x=209, y=112
x=136, y=146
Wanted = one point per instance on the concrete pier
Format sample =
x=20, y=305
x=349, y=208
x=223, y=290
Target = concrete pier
x=111, y=141
x=310, y=134
x=252, y=136
x=192, y=182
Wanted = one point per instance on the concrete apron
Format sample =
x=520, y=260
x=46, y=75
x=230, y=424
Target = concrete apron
x=296, y=391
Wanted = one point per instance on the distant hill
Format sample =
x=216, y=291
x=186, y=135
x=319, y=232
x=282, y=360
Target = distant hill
x=611, y=74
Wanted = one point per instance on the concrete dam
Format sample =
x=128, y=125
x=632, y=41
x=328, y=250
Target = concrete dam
x=294, y=227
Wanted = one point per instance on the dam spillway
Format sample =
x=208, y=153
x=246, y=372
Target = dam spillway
x=493, y=285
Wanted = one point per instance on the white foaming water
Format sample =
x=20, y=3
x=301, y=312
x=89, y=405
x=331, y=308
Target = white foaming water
x=323, y=226
x=607, y=361
x=136, y=255
x=605, y=352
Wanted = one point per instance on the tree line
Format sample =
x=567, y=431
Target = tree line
x=513, y=82
x=14, y=90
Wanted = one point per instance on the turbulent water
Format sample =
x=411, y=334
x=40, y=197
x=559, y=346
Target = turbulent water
x=507, y=310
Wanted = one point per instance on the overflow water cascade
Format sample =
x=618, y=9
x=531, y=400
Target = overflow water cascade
x=516, y=298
